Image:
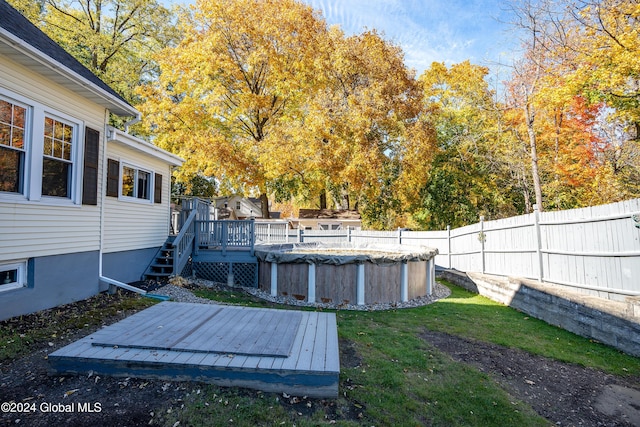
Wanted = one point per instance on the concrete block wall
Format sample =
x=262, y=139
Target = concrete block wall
x=615, y=323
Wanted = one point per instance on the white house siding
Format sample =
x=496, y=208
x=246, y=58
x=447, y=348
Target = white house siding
x=36, y=228
x=133, y=225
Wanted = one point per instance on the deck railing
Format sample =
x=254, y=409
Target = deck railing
x=225, y=234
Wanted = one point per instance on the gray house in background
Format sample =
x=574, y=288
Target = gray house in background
x=79, y=200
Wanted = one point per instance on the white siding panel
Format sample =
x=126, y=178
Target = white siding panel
x=130, y=225
x=31, y=229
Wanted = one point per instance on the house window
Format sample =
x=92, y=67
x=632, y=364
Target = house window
x=238, y=205
x=39, y=151
x=57, y=162
x=135, y=183
x=13, y=276
x=12, y=146
x=330, y=226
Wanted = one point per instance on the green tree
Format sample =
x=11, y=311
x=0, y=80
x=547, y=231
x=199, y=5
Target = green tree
x=115, y=39
x=468, y=177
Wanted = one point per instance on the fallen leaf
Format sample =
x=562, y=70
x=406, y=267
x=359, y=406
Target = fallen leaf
x=70, y=392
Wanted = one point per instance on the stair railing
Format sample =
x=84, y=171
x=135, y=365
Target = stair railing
x=183, y=243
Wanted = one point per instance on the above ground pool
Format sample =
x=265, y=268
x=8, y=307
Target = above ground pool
x=346, y=273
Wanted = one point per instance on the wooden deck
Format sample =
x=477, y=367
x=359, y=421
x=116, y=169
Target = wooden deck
x=295, y=352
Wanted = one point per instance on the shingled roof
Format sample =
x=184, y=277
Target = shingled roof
x=28, y=45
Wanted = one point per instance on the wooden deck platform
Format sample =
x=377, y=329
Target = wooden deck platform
x=295, y=352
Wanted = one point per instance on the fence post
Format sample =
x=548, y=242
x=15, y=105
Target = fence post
x=399, y=236
x=536, y=222
x=481, y=237
x=449, y=245
x=349, y=234
x=300, y=238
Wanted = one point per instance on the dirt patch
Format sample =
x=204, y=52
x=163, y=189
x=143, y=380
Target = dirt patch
x=565, y=394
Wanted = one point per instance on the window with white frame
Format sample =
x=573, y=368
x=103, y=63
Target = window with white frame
x=13, y=276
x=57, y=162
x=39, y=151
x=13, y=119
x=135, y=183
x=238, y=205
x=330, y=226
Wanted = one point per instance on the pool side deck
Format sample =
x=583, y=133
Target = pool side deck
x=282, y=351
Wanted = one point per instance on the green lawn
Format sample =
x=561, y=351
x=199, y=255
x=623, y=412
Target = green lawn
x=402, y=380
x=398, y=378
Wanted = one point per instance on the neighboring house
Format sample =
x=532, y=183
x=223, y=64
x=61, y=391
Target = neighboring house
x=238, y=207
x=79, y=200
x=326, y=219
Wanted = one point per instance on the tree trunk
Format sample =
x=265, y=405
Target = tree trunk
x=323, y=199
x=264, y=205
x=533, y=152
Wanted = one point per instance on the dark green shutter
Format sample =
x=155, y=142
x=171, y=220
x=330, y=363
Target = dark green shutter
x=90, y=176
x=113, y=177
x=157, y=193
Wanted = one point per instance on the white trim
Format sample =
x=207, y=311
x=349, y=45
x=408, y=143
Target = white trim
x=117, y=136
x=150, y=189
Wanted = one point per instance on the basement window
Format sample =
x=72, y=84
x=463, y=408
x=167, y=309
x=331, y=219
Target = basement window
x=13, y=276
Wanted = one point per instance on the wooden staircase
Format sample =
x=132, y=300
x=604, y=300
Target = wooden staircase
x=161, y=268
x=217, y=250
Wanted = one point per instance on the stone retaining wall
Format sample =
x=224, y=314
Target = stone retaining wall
x=615, y=323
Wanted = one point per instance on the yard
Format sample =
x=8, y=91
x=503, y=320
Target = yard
x=463, y=360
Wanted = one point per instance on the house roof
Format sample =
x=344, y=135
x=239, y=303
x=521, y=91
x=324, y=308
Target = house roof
x=328, y=214
x=26, y=44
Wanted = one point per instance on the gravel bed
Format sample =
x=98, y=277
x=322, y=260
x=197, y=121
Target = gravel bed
x=179, y=292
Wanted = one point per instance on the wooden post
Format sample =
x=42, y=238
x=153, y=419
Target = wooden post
x=360, y=285
x=225, y=237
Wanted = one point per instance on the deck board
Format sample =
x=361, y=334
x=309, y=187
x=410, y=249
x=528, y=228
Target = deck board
x=310, y=366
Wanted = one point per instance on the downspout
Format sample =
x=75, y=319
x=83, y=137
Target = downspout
x=132, y=122
x=101, y=278
x=103, y=189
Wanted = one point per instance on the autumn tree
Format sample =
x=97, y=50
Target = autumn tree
x=229, y=92
x=263, y=95
x=466, y=179
x=575, y=79
x=370, y=142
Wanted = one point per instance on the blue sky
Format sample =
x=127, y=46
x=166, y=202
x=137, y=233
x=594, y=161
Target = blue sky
x=449, y=31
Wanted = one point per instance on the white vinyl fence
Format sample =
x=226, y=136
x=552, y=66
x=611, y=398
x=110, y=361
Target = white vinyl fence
x=595, y=250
